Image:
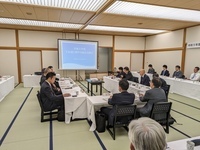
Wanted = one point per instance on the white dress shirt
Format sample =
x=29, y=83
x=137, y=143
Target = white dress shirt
x=195, y=76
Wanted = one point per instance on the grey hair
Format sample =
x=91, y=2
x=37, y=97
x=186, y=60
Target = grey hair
x=147, y=134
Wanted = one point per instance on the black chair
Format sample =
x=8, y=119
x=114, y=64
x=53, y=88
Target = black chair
x=167, y=91
x=45, y=112
x=123, y=115
x=161, y=112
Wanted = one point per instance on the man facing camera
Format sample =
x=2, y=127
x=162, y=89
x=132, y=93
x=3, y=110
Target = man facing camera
x=165, y=72
x=195, y=76
x=129, y=75
x=49, y=99
x=154, y=95
x=121, y=73
x=151, y=69
x=146, y=134
x=177, y=73
x=122, y=98
x=144, y=78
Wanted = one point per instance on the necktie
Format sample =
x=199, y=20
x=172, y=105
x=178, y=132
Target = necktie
x=193, y=75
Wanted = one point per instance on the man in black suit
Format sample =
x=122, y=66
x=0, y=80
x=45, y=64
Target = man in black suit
x=165, y=72
x=144, y=78
x=154, y=95
x=163, y=82
x=49, y=99
x=123, y=98
x=129, y=75
x=121, y=74
x=151, y=69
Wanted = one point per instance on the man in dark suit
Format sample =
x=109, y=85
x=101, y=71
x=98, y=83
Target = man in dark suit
x=165, y=72
x=177, y=73
x=121, y=74
x=144, y=78
x=154, y=95
x=163, y=82
x=49, y=99
x=123, y=98
x=129, y=75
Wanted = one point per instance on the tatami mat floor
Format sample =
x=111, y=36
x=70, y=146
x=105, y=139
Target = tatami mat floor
x=21, y=129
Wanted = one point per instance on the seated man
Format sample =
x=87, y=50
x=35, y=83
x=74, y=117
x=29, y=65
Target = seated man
x=163, y=82
x=123, y=98
x=165, y=72
x=43, y=77
x=154, y=95
x=146, y=134
x=144, y=78
x=49, y=99
x=121, y=74
x=129, y=75
x=177, y=73
x=195, y=76
x=151, y=70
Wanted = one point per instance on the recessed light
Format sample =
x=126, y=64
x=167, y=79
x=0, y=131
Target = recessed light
x=140, y=23
x=120, y=29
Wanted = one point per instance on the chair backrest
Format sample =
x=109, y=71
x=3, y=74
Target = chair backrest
x=125, y=110
x=39, y=100
x=162, y=109
x=167, y=91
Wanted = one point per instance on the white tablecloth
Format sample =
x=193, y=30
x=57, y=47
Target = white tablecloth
x=181, y=144
x=33, y=80
x=75, y=107
x=186, y=88
x=112, y=86
x=6, y=86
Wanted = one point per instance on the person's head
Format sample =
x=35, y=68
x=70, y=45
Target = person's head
x=51, y=77
x=150, y=66
x=142, y=72
x=155, y=75
x=164, y=67
x=120, y=69
x=147, y=134
x=51, y=67
x=177, y=68
x=43, y=69
x=47, y=70
x=196, y=69
x=126, y=70
x=123, y=85
x=155, y=83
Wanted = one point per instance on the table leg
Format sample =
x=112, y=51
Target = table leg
x=88, y=87
x=101, y=89
x=96, y=88
x=91, y=89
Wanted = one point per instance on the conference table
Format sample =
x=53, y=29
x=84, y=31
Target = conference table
x=183, y=87
x=6, y=86
x=76, y=104
x=112, y=84
x=94, y=103
x=181, y=144
x=34, y=80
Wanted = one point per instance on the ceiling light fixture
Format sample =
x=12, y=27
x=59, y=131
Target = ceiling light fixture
x=88, y=5
x=39, y=23
x=120, y=29
x=152, y=11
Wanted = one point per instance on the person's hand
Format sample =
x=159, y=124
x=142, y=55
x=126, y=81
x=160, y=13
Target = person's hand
x=66, y=95
x=58, y=89
x=54, y=85
x=141, y=95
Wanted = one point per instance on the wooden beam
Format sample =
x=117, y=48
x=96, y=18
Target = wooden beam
x=18, y=56
x=165, y=49
x=143, y=63
x=37, y=49
x=183, y=52
x=113, y=53
x=101, y=10
x=7, y=48
x=131, y=51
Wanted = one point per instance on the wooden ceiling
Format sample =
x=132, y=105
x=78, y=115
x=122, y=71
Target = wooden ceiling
x=42, y=13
